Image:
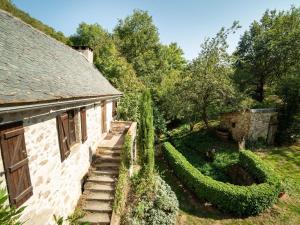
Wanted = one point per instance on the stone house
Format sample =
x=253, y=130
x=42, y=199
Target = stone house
x=55, y=109
x=252, y=124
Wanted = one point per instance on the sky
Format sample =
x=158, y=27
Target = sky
x=187, y=22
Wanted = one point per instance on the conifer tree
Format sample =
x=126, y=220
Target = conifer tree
x=146, y=133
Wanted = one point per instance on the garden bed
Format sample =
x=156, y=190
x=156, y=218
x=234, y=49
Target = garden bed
x=240, y=200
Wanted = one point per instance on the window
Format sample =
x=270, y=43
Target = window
x=66, y=132
x=15, y=160
x=83, y=125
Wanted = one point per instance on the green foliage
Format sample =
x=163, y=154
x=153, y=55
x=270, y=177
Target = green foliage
x=240, y=200
x=207, y=86
x=146, y=133
x=159, y=208
x=289, y=112
x=8, y=6
x=121, y=188
x=138, y=40
x=194, y=146
x=268, y=51
x=72, y=219
x=8, y=215
x=123, y=178
x=113, y=65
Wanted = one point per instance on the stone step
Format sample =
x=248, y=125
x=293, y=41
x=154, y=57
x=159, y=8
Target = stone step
x=107, y=165
x=105, y=172
x=101, y=179
x=103, y=196
x=109, y=152
x=96, y=218
x=97, y=206
x=91, y=186
x=108, y=158
x=114, y=147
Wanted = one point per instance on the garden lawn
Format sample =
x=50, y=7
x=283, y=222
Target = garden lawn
x=285, y=161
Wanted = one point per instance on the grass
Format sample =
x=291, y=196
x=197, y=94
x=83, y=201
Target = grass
x=195, y=145
x=285, y=160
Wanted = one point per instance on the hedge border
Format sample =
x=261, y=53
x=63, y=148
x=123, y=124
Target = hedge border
x=123, y=178
x=239, y=200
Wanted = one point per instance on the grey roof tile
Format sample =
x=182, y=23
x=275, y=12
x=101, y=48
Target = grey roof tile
x=35, y=67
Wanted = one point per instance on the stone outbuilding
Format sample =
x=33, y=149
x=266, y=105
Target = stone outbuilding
x=55, y=109
x=252, y=124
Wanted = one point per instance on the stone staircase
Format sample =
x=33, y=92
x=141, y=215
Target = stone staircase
x=99, y=189
x=98, y=195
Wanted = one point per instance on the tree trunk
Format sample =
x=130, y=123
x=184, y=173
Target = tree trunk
x=205, y=119
x=260, y=90
x=192, y=126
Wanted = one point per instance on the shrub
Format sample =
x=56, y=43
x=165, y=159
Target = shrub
x=239, y=200
x=8, y=215
x=159, y=208
x=123, y=179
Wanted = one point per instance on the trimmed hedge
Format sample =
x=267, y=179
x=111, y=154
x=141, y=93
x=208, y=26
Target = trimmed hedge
x=239, y=200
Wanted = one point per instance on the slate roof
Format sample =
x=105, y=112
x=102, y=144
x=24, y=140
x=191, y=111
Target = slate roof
x=37, y=68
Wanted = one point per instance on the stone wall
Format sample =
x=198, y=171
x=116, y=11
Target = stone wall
x=251, y=124
x=237, y=123
x=56, y=185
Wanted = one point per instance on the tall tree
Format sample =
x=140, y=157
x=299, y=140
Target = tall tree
x=268, y=51
x=146, y=133
x=207, y=86
x=113, y=65
x=138, y=41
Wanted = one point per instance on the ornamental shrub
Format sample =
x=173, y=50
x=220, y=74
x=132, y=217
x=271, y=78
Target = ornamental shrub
x=239, y=200
x=160, y=208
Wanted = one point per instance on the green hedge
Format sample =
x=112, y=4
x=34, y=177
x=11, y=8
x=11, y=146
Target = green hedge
x=239, y=200
x=123, y=178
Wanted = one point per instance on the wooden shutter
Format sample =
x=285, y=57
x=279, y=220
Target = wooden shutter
x=83, y=125
x=15, y=161
x=63, y=135
x=72, y=134
x=103, y=117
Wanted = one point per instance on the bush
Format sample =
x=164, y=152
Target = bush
x=123, y=179
x=8, y=215
x=239, y=200
x=159, y=208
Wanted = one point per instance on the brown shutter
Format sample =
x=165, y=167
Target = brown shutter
x=72, y=134
x=103, y=108
x=83, y=125
x=63, y=135
x=15, y=161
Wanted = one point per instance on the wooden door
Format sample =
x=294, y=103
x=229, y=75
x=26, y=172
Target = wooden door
x=103, y=117
x=15, y=162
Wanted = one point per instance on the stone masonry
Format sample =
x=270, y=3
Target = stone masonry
x=57, y=185
x=251, y=124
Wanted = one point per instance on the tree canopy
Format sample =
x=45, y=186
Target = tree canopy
x=268, y=51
